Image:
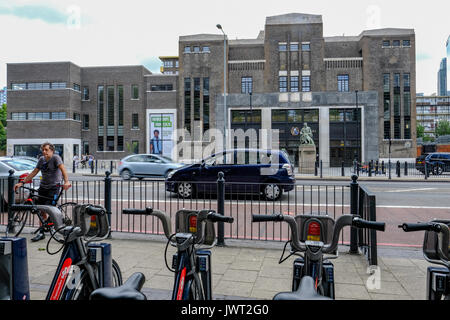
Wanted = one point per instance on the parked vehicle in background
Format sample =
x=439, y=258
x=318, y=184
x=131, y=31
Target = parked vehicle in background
x=438, y=163
x=420, y=163
x=266, y=172
x=22, y=167
x=146, y=165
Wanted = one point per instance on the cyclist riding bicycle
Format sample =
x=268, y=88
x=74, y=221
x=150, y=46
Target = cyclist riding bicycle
x=53, y=171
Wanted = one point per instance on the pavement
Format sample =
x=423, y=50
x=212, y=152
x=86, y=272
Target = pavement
x=244, y=270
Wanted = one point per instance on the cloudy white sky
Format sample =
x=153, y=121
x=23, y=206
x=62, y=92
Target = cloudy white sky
x=98, y=33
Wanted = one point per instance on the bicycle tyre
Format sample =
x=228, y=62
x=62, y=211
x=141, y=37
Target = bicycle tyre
x=19, y=220
x=67, y=211
x=117, y=279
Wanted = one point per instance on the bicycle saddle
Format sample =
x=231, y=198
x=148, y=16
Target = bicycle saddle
x=305, y=291
x=128, y=291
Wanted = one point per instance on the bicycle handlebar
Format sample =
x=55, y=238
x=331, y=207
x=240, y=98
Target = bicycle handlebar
x=428, y=226
x=55, y=214
x=165, y=219
x=23, y=207
x=95, y=211
x=215, y=217
x=341, y=222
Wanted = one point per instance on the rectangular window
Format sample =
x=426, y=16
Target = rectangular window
x=294, y=83
x=58, y=85
x=134, y=92
x=120, y=105
x=76, y=116
x=406, y=43
x=246, y=84
x=187, y=104
x=135, y=121
x=135, y=146
x=187, y=49
x=343, y=83
x=85, y=122
x=58, y=115
x=100, y=144
x=168, y=64
x=206, y=49
x=293, y=46
x=85, y=93
x=387, y=105
x=110, y=108
x=386, y=43
x=100, y=105
x=306, y=47
x=110, y=143
x=196, y=49
x=120, y=143
x=406, y=82
x=396, y=43
x=306, y=83
x=18, y=86
x=282, y=46
x=205, y=104
x=282, y=81
x=161, y=87
x=76, y=87
x=196, y=99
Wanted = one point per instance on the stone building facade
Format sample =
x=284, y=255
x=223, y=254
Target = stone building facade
x=357, y=93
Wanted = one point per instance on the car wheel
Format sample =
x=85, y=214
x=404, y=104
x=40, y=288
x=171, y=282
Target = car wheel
x=438, y=170
x=167, y=173
x=272, y=191
x=126, y=174
x=185, y=189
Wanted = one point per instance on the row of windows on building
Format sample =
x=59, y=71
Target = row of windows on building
x=294, y=46
x=396, y=43
x=197, y=49
x=39, y=116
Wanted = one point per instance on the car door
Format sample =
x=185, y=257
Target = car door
x=210, y=168
x=137, y=164
x=245, y=172
x=153, y=166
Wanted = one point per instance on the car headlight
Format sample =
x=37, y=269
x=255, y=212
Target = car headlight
x=171, y=173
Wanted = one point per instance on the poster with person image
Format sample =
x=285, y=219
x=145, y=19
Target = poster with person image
x=161, y=130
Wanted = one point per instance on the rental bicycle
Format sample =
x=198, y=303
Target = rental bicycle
x=436, y=251
x=19, y=219
x=195, y=234
x=312, y=237
x=83, y=266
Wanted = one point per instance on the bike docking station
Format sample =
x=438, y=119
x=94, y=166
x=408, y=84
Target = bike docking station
x=14, y=282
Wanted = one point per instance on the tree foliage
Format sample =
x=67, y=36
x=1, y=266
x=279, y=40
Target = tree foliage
x=443, y=128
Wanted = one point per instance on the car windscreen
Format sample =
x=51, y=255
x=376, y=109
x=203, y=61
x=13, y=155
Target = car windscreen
x=20, y=165
x=166, y=158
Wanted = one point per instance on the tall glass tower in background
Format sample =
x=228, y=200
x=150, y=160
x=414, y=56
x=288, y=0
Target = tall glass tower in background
x=442, y=78
x=448, y=63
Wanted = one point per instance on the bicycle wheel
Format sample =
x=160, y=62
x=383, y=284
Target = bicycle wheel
x=116, y=274
x=80, y=291
x=19, y=220
x=67, y=211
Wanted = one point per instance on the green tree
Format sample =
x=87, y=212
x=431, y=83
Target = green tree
x=3, y=114
x=443, y=128
x=420, y=131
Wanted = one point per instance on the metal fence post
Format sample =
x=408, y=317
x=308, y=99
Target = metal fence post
x=370, y=167
x=316, y=173
x=10, y=199
x=398, y=169
x=108, y=198
x=383, y=169
x=73, y=166
x=342, y=169
x=220, y=208
x=111, y=166
x=354, y=188
x=96, y=166
x=426, y=171
x=406, y=168
x=321, y=169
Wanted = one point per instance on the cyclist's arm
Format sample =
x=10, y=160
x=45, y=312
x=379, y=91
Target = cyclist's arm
x=27, y=179
x=67, y=184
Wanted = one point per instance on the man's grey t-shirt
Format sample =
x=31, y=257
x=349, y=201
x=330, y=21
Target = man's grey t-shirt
x=51, y=174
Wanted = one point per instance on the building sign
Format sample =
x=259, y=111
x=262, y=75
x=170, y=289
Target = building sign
x=160, y=135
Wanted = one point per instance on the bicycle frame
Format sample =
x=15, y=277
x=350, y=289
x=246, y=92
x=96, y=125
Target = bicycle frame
x=78, y=263
x=187, y=274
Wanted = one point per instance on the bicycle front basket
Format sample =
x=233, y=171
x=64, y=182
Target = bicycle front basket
x=91, y=226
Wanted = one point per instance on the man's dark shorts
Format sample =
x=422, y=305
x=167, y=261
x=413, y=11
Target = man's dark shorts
x=48, y=193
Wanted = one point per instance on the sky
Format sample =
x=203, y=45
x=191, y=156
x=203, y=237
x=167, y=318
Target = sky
x=132, y=32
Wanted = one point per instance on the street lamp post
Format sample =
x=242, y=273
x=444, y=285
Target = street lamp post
x=224, y=86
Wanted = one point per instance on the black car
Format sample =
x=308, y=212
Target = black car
x=438, y=163
x=266, y=172
x=420, y=163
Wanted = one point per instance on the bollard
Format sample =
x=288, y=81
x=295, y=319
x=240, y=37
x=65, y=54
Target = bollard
x=108, y=195
x=73, y=166
x=376, y=167
x=342, y=169
x=383, y=169
x=96, y=166
x=354, y=188
x=11, y=199
x=426, y=171
x=406, y=168
x=220, y=208
x=390, y=169
x=370, y=167
x=398, y=169
x=111, y=167
x=316, y=165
